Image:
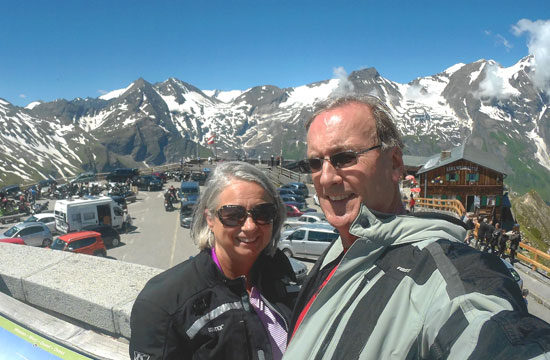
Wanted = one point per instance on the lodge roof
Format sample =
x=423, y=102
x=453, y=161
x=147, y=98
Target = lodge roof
x=415, y=161
x=464, y=152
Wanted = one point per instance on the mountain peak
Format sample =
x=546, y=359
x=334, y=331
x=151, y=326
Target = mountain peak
x=366, y=73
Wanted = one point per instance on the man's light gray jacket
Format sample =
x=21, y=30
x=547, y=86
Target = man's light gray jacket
x=408, y=288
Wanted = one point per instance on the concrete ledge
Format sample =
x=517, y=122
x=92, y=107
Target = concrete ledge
x=97, y=291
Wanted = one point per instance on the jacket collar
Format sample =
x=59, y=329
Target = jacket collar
x=376, y=231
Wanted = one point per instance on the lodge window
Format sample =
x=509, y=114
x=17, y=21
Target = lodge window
x=472, y=177
x=452, y=176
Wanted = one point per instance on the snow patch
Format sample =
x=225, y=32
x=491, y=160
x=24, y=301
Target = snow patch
x=115, y=93
x=32, y=105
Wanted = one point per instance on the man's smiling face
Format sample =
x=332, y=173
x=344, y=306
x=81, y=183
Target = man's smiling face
x=371, y=181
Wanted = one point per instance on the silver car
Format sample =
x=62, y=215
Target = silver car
x=47, y=219
x=306, y=218
x=32, y=233
x=308, y=241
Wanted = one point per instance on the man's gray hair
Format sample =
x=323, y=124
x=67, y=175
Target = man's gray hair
x=224, y=175
x=387, y=132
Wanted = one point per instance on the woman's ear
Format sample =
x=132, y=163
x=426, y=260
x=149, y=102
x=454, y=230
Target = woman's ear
x=209, y=219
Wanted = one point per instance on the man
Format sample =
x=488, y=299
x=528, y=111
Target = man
x=394, y=285
x=515, y=239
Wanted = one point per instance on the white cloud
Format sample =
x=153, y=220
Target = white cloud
x=102, y=92
x=345, y=86
x=499, y=39
x=502, y=40
x=415, y=92
x=538, y=33
x=493, y=85
x=22, y=96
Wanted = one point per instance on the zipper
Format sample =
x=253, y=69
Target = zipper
x=272, y=308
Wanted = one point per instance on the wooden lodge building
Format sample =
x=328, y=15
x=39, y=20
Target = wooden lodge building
x=467, y=174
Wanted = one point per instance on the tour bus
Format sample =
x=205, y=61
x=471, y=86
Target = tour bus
x=73, y=215
x=189, y=191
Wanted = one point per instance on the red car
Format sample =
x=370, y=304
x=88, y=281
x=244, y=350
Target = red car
x=15, y=240
x=83, y=242
x=293, y=211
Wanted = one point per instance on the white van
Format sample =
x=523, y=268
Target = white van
x=73, y=215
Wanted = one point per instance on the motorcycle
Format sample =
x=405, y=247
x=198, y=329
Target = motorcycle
x=38, y=208
x=168, y=205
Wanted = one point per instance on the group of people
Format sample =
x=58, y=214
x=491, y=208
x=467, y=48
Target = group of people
x=490, y=237
x=394, y=285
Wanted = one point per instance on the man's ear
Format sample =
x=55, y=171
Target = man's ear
x=209, y=219
x=397, y=164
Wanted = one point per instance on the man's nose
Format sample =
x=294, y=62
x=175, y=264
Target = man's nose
x=329, y=174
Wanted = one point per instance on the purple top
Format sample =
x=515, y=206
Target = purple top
x=271, y=320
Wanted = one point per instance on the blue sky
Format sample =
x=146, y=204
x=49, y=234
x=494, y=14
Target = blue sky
x=66, y=49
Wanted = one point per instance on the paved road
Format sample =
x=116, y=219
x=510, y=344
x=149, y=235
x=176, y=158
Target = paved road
x=156, y=239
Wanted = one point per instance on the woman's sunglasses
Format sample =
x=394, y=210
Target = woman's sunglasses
x=339, y=160
x=235, y=215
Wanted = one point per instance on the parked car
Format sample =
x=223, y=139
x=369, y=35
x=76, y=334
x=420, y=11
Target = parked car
x=149, y=183
x=11, y=190
x=128, y=195
x=316, y=200
x=300, y=269
x=308, y=241
x=298, y=186
x=122, y=174
x=47, y=183
x=514, y=273
x=16, y=240
x=47, y=219
x=292, y=211
x=32, y=233
x=199, y=177
x=84, y=177
x=83, y=242
x=109, y=235
x=289, y=198
x=120, y=200
x=306, y=218
x=301, y=206
x=294, y=193
x=186, y=212
x=161, y=175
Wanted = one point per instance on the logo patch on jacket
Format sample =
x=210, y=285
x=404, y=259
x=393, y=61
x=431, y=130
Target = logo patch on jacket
x=141, y=356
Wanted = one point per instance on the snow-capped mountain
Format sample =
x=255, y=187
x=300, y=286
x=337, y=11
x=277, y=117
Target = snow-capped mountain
x=494, y=109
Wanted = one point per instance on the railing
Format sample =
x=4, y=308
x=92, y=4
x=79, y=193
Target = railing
x=533, y=257
x=453, y=206
x=280, y=175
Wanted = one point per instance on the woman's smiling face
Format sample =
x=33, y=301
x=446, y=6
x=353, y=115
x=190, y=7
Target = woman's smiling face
x=239, y=245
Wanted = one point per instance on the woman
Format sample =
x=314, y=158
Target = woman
x=231, y=300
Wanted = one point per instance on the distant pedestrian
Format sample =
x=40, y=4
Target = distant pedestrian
x=515, y=239
x=411, y=204
x=495, y=236
x=272, y=160
x=481, y=234
x=502, y=240
x=525, y=293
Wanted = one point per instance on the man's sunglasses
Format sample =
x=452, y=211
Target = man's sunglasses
x=339, y=160
x=235, y=215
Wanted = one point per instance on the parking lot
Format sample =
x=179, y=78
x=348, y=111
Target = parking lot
x=156, y=238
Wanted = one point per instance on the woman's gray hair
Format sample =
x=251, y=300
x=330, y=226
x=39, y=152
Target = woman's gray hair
x=387, y=132
x=222, y=176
